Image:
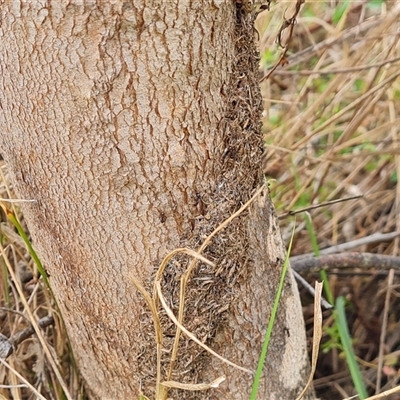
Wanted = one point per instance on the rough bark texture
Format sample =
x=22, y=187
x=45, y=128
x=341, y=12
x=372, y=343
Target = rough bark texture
x=135, y=127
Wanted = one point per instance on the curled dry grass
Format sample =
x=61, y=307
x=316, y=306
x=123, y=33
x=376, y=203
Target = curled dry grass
x=332, y=117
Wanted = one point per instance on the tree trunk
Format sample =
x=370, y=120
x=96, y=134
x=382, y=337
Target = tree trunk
x=135, y=127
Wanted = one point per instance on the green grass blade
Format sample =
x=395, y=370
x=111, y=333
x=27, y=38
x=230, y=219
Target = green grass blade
x=311, y=232
x=315, y=247
x=4, y=275
x=28, y=244
x=263, y=355
x=348, y=349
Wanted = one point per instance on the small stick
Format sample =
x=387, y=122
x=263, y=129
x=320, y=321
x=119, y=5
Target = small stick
x=287, y=23
x=324, y=303
x=313, y=207
x=346, y=260
x=8, y=346
x=375, y=238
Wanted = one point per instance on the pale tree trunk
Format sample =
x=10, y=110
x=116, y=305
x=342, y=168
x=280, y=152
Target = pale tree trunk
x=135, y=127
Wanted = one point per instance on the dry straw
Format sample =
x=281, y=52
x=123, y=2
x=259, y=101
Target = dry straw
x=157, y=297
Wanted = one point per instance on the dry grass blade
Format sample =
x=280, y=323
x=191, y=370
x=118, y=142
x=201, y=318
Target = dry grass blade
x=340, y=70
x=380, y=395
x=39, y=396
x=186, y=276
x=172, y=254
x=157, y=326
x=191, y=336
x=195, y=387
x=157, y=280
x=18, y=200
x=152, y=303
x=379, y=89
x=383, y=330
x=152, y=306
x=316, y=336
x=32, y=320
x=350, y=33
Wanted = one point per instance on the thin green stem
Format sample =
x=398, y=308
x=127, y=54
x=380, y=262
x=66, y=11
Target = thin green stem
x=264, y=350
x=28, y=244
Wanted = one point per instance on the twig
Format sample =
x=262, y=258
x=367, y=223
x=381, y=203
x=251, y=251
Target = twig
x=352, y=273
x=8, y=346
x=311, y=290
x=346, y=260
x=313, y=207
x=375, y=238
x=287, y=23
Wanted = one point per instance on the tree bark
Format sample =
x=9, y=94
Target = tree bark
x=135, y=127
